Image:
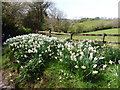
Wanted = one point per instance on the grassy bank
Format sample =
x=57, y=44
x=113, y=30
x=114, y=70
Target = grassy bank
x=51, y=79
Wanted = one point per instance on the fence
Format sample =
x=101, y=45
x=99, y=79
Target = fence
x=71, y=35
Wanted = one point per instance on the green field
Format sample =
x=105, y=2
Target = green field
x=107, y=31
x=89, y=23
x=107, y=38
x=92, y=25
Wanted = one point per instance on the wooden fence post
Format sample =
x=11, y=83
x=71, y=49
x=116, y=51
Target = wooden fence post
x=49, y=34
x=103, y=37
x=36, y=31
x=71, y=36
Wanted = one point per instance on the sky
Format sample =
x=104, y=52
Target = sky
x=74, y=9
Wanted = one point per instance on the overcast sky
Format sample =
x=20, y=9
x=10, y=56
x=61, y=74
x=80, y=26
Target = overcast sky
x=88, y=8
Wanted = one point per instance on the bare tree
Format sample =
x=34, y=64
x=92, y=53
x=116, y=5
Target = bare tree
x=56, y=19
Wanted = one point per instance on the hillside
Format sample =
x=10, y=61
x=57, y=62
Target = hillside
x=92, y=25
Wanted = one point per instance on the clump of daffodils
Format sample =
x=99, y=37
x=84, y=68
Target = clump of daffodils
x=86, y=56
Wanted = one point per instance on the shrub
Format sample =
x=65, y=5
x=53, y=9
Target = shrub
x=76, y=28
x=24, y=30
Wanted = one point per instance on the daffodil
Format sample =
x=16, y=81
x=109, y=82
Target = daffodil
x=82, y=53
x=61, y=60
x=90, y=48
x=83, y=67
x=55, y=57
x=101, y=57
x=11, y=80
x=104, y=66
x=60, y=77
x=95, y=58
x=25, y=56
x=40, y=61
x=110, y=62
x=119, y=61
x=95, y=65
x=76, y=66
x=17, y=61
x=21, y=67
x=38, y=78
x=68, y=49
x=95, y=72
x=10, y=74
x=91, y=56
x=60, y=53
x=62, y=49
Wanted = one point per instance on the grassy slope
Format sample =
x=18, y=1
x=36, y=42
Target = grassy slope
x=93, y=22
x=92, y=25
x=50, y=79
x=54, y=81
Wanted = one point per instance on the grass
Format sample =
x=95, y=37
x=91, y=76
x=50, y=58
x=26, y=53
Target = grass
x=52, y=76
x=91, y=25
x=107, y=31
x=51, y=79
x=74, y=82
x=107, y=38
x=94, y=22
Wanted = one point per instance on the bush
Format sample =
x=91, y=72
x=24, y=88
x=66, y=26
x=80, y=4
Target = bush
x=76, y=28
x=24, y=30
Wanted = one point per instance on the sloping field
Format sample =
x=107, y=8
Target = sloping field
x=92, y=25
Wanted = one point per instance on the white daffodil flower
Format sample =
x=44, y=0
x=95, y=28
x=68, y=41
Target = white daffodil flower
x=95, y=72
x=76, y=66
x=111, y=62
x=83, y=67
x=95, y=65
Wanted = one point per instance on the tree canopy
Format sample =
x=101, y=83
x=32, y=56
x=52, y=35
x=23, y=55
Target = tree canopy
x=33, y=15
